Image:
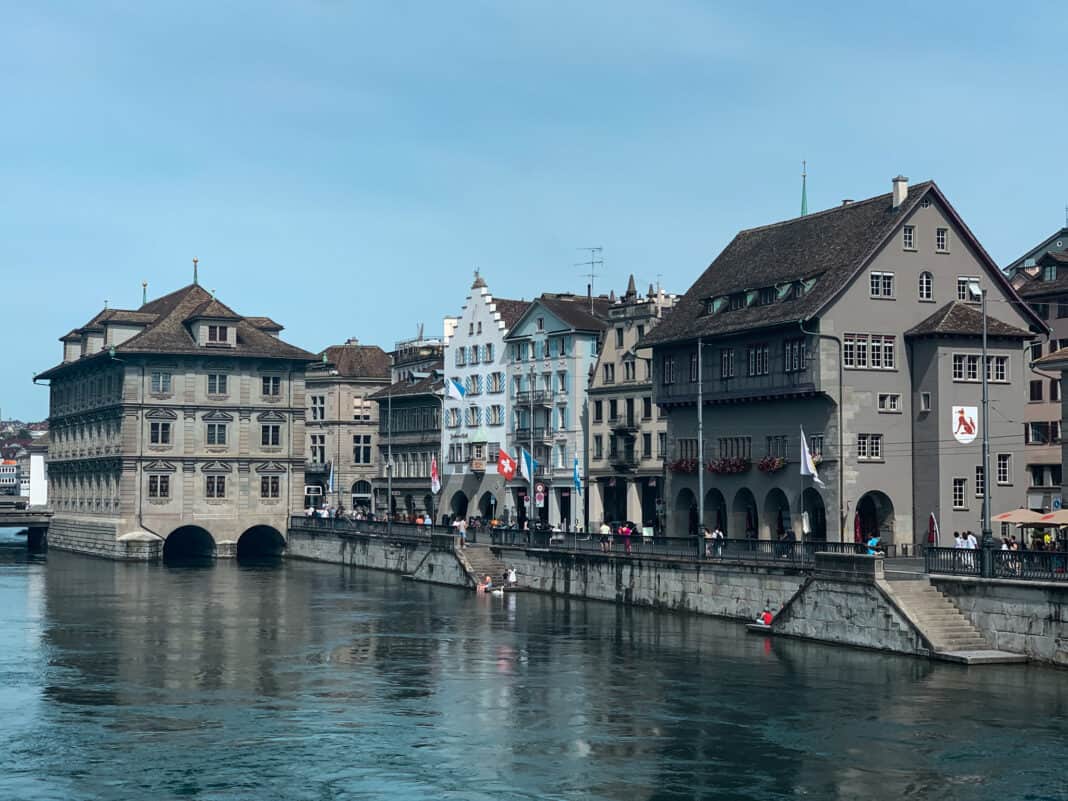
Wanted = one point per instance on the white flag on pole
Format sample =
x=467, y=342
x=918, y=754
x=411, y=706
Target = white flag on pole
x=808, y=465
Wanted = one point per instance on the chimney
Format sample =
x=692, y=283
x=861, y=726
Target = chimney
x=901, y=190
x=847, y=201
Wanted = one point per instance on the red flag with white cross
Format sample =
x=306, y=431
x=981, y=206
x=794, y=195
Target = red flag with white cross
x=506, y=465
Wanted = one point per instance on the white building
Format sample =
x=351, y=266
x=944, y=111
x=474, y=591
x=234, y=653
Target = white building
x=476, y=427
x=33, y=471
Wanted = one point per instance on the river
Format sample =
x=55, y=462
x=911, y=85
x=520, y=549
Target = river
x=307, y=681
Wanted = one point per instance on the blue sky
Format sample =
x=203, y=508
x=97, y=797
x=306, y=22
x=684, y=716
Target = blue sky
x=343, y=166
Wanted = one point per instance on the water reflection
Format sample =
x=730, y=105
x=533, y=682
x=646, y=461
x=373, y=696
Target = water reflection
x=294, y=680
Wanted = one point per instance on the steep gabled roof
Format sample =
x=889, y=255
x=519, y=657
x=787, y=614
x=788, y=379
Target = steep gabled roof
x=214, y=310
x=1041, y=247
x=433, y=384
x=356, y=361
x=573, y=311
x=265, y=323
x=964, y=319
x=510, y=310
x=823, y=251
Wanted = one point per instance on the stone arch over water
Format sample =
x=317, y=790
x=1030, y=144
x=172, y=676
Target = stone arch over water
x=189, y=544
x=261, y=542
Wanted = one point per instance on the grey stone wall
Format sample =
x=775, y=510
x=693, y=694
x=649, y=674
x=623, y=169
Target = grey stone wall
x=1021, y=617
x=734, y=591
x=100, y=538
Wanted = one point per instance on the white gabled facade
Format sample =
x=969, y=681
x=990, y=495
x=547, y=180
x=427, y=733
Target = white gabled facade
x=475, y=428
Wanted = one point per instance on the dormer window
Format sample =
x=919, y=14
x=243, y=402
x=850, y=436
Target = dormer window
x=738, y=301
x=767, y=296
x=1049, y=272
x=218, y=334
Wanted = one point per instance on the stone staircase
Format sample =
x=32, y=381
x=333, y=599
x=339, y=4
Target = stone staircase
x=940, y=622
x=479, y=561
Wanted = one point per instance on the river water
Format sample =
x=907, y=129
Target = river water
x=306, y=681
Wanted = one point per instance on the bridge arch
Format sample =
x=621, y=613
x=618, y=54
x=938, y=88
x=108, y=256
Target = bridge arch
x=189, y=544
x=260, y=542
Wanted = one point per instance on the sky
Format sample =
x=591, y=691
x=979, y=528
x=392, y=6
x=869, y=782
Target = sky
x=343, y=167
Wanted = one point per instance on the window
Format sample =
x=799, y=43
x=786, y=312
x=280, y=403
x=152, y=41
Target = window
x=925, y=401
x=647, y=446
x=942, y=240
x=926, y=286
x=496, y=382
x=925, y=203
x=159, y=486
x=1035, y=388
x=647, y=408
x=693, y=367
x=997, y=368
x=361, y=449
x=541, y=323
x=269, y=487
x=613, y=409
x=766, y=296
x=161, y=383
x=318, y=448
x=215, y=486
x=272, y=386
x=619, y=337
x=795, y=355
x=496, y=415
x=1004, y=468
x=361, y=410
x=687, y=448
x=757, y=358
x=598, y=447
x=668, y=373
x=980, y=481
x=960, y=488
x=1062, y=311
x=661, y=444
x=487, y=350
x=641, y=331
x=475, y=354
x=1036, y=350
x=270, y=435
x=1055, y=431
x=452, y=418
x=908, y=237
x=1054, y=389
x=473, y=385
x=889, y=402
x=461, y=356
x=608, y=373
x=216, y=384
x=962, y=288
x=1036, y=433
x=734, y=447
x=216, y=434
x=217, y=333
x=815, y=446
x=778, y=446
x=737, y=301
x=856, y=349
x=159, y=433
x=726, y=363
x=470, y=329
x=473, y=416
x=318, y=407
x=628, y=370
x=870, y=447
x=598, y=411
x=882, y=285
x=1041, y=309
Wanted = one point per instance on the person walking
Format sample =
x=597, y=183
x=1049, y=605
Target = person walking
x=606, y=536
x=717, y=542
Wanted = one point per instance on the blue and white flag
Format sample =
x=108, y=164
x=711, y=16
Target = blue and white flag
x=578, y=479
x=527, y=464
x=455, y=389
x=330, y=479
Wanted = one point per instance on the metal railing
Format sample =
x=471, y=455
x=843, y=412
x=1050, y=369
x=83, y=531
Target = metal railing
x=1025, y=565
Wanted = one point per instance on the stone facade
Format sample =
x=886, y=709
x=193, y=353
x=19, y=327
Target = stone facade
x=180, y=418
x=627, y=432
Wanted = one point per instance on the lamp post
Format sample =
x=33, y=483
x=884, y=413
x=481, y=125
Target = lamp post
x=700, y=447
x=987, y=541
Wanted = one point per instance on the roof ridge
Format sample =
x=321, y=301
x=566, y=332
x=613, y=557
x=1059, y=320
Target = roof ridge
x=833, y=209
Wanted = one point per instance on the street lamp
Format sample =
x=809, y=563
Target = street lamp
x=987, y=543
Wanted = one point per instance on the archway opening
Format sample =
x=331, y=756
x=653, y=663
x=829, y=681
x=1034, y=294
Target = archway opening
x=487, y=505
x=361, y=497
x=685, y=513
x=874, y=515
x=776, y=515
x=716, y=511
x=814, y=519
x=261, y=543
x=428, y=505
x=744, y=519
x=458, y=505
x=189, y=545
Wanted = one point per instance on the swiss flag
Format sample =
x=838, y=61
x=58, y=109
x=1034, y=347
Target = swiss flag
x=506, y=465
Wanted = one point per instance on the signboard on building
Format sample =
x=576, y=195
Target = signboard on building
x=539, y=495
x=963, y=424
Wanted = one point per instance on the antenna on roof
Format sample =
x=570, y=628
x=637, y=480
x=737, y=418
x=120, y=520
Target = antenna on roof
x=144, y=292
x=195, y=260
x=804, y=188
x=105, y=303
x=594, y=262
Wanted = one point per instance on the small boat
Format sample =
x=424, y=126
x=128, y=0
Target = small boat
x=758, y=628
x=496, y=591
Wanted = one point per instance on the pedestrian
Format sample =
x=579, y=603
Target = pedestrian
x=706, y=535
x=625, y=532
x=971, y=543
x=606, y=536
x=958, y=541
x=717, y=542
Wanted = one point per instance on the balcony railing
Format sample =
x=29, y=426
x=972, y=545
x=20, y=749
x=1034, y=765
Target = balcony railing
x=536, y=396
x=625, y=424
x=524, y=433
x=623, y=460
x=1020, y=565
x=312, y=466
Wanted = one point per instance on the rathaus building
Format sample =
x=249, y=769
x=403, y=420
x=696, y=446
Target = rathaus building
x=176, y=429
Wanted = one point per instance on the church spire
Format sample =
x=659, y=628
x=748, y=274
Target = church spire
x=804, y=189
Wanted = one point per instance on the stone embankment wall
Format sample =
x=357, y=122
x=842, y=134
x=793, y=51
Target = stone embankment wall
x=374, y=552
x=1023, y=617
x=99, y=538
x=722, y=589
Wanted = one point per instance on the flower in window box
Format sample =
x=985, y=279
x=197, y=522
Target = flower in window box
x=771, y=464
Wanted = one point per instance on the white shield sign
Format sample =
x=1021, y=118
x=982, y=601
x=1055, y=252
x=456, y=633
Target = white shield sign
x=964, y=423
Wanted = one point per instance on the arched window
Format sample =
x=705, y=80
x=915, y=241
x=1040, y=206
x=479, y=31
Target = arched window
x=926, y=286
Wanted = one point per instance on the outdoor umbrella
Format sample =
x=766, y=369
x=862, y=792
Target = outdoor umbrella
x=1021, y=516
x=856, y=528
x=932, y=530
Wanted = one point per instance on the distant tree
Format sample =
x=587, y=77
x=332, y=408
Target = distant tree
x=23, y=433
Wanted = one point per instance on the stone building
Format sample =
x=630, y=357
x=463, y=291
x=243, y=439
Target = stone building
x=857, y=323
x=628, y=432
x=409, y=428
x=551, y=349
x=476, y=427
x=342, y=425
x=1041, y=278
x=176, y=428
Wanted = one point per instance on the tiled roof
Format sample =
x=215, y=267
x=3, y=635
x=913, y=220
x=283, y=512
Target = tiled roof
x=828, y=246
x=265, y=323
x=574, y=310
x=510, y=310
x=169, y=332
x=964, y=319
x=1058, y=360
x=356, y=361
x=1036, y=287
x=214, y=310
x=431, y=385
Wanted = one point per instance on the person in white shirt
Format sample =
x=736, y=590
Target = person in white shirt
x=717, y=541
x=971, y=543
x=958, y=540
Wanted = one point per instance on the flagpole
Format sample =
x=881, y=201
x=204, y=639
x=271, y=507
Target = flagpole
x=389, y=460
x=530, y=465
